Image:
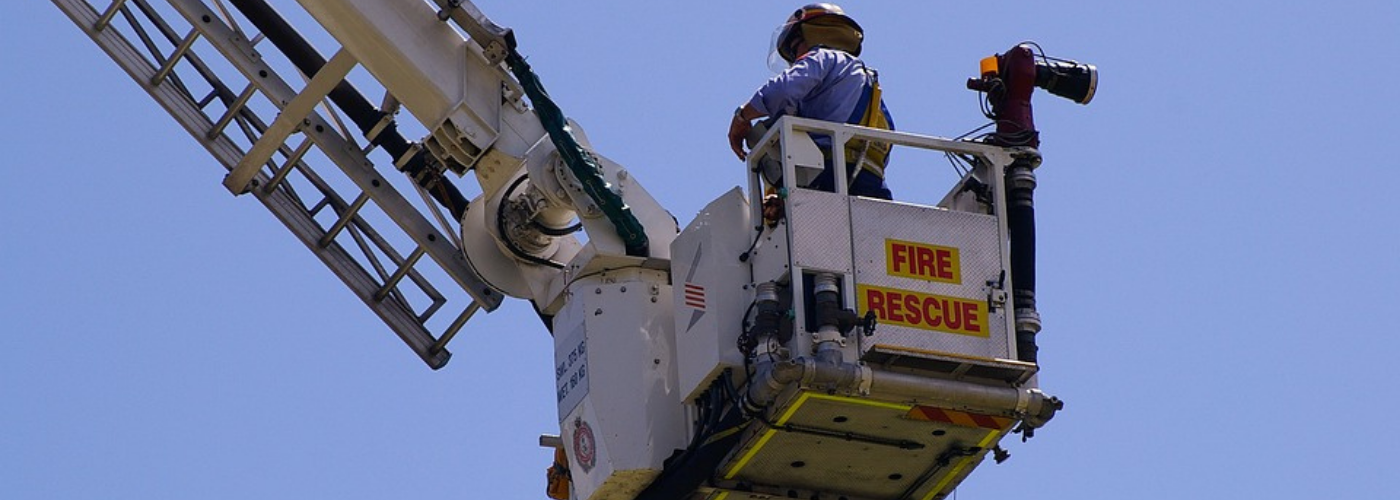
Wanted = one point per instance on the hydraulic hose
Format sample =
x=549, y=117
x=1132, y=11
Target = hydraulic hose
x=583, y=165
x=364, y=115
x=1020, y=221
x=680, y=479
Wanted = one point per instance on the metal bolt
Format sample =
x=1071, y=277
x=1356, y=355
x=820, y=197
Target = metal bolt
x=598, y=291
x=653, y=300
x=598, y=312
x=624, y=289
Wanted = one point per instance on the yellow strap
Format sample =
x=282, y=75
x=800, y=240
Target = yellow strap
x=871, y=155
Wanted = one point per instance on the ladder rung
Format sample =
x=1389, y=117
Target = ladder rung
x=455, y=327
x=287, y=166
x=431, y=310
x=208, y=98
x=316, y=209
x=403, y=270
x=233, y=109
x=345, y=218
x=107, y=15
x=175, y=57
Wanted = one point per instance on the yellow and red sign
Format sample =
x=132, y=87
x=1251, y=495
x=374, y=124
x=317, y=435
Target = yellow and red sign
x=923, y=261
x=924, y=311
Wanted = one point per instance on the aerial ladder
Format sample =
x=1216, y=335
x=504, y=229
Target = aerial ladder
x=848, y=348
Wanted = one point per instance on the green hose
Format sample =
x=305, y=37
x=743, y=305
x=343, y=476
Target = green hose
x=582, y=163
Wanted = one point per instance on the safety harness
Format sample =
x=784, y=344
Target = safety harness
x=870, y=155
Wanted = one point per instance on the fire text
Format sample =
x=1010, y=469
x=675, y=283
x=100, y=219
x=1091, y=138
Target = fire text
x=923, y=261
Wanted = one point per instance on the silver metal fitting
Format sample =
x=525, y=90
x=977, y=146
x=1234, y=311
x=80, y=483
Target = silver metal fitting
x=766, y=292
x=1020, y=178
x=1027, y=320
x=824, y=282
x=1028, y=155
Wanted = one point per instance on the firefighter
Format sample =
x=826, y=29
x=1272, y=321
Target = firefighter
x=825, y=80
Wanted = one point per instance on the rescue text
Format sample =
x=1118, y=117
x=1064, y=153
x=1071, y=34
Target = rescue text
x=924, y=311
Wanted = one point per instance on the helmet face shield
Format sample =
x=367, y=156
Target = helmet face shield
x=828, y=25
x=776, y=61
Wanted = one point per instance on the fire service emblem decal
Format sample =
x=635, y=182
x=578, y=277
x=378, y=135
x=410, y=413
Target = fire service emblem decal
x=585, y=445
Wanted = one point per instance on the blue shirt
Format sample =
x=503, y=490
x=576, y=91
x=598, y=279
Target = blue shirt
x=823, y=84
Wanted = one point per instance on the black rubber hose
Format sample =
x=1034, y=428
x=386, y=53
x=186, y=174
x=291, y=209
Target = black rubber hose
x=689, y=470
x=1021, y=224
x=549, y=231
x=505, y=238
x=363, y=114
x=828, y=309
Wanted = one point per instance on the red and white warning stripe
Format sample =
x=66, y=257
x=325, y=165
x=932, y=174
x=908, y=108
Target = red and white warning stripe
x=962, y=418
x=695, y=296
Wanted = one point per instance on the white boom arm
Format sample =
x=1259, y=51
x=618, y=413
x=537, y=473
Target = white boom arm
x=478, y=122
x=471, y=106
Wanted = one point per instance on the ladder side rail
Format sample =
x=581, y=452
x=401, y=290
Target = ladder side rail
x=396, y=315
x=255, y=131
x=219, y=90
x=355, y=224
x=349, y=158
x=140, y=69
x=358, y=228
x=282, y=203
x=363, y=234
x=361, y=230
x=248, y=121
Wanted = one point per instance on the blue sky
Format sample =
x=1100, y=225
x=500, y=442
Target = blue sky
x=1217, y=260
